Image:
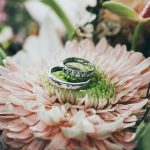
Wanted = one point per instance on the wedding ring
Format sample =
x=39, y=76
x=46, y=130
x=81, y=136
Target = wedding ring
x=71, y=67
x=64, y=84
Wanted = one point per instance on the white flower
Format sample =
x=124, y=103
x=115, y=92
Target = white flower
x=74, y=10
x=51, y=27
x=47, y=40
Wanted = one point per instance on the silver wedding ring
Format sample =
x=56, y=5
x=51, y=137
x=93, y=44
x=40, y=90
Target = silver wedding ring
x=64, y=84
x=74, y=67
x=76, y=71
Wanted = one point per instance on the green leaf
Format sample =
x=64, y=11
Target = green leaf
x=140, y=131
x=144, y=141
x=121, y=10
x=137, y=33
x=146, y=138
x=58, y=10
x=1, y=26
x=2, y=56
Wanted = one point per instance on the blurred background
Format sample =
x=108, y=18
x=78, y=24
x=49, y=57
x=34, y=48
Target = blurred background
x=22, y=21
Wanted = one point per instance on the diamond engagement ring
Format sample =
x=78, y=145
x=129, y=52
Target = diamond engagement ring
x=78, y=67
x=64, y=84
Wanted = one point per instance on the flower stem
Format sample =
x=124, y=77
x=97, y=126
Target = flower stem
x=137, y=33
x=2, y=56
x=69, y=27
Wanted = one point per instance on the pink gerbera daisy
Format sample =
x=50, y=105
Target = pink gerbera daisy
x=36, y=115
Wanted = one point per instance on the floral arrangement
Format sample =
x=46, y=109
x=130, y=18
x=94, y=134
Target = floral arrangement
x=70, y=88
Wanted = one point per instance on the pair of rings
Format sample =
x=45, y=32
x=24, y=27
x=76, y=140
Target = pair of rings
x=74, y=67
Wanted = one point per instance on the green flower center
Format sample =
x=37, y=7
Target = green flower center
x=77, y=66
x=99, y=89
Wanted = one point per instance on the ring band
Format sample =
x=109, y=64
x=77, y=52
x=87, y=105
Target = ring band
x=64, y=84
x=76, y=71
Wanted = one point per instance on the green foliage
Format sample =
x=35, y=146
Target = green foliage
x=1, y=26
x=18, y=17
x=121, y=10
x=2, y=56
x=137, y=32
x=128, y=13
x=140, y=131
x=143, y=137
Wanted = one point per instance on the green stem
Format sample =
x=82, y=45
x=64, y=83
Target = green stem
x=2, y=56
x=69, y=27
x=137, y=33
